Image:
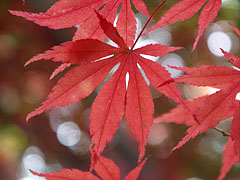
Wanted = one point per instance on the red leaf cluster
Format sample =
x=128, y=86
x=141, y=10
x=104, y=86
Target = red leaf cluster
x=113, y=99
x=69, y=13
x=185, y=9
x=105, y=168
x=95, y=59
x=211, y=109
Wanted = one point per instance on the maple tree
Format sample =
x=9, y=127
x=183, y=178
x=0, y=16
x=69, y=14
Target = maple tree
x=95, y=59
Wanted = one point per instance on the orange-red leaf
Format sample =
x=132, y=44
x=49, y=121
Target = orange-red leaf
x=139, y=105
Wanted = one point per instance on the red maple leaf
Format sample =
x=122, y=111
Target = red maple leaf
x=211, y=109
x=229, y=159
x=65, y=14
x=185, y=9
x=113, y=99
x=105, y=168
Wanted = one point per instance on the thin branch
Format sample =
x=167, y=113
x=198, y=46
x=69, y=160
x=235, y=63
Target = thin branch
x=224, y=133
x=160, y=5
x=189, y=110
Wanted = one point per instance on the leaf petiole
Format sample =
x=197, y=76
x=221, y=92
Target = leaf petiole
x=154, y=12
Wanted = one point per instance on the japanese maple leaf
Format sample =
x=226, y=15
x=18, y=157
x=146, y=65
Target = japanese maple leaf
x=185, y=9
x=229, y=159
x=69, y=13
x=113, y=100
x=179, y=115
x=211, y=109
x=105, y=168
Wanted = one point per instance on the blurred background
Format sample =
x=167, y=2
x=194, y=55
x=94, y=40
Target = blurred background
x=59, y=138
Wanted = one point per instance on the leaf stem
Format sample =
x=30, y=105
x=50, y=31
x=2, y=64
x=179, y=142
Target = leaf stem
x=154, y=12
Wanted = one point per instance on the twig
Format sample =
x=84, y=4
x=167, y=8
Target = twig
x=160, y=5
x=224, y=133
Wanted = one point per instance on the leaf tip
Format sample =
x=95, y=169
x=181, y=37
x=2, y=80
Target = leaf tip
x=29, y=116
x=11, y=12
x=28, y=62
x=25, y=65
